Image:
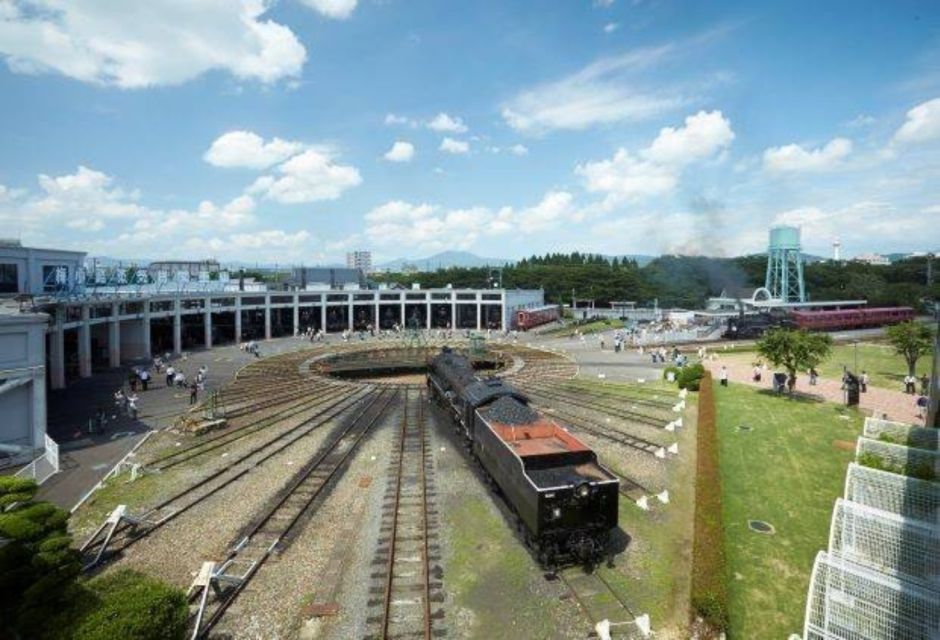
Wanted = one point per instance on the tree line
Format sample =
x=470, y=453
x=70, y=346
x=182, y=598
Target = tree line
x=682, y=281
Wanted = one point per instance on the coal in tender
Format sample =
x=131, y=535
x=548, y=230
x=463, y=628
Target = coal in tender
x=508, y=410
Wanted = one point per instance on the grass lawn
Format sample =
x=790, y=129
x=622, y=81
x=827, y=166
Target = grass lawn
x=788, y=471
x=590, y=327
x=885, y=368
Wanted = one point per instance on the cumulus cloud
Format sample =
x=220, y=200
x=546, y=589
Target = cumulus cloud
x=457, y=147
x=921, y=125
x=447, y=124
x=336, y=9
x=249, y=150
x=556, y=207
x=656, y=169
x=519, y=150
x=427, y=227
x=610, y=27
x=401, y=151
x=392, y=119
x=307, y=177
x=148, y=43
x=793, y=157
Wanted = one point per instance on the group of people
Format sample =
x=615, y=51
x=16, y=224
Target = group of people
x=910, y=384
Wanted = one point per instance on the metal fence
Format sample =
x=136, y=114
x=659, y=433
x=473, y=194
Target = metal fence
x=45, y=466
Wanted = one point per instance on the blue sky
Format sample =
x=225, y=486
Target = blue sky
x=293, y=131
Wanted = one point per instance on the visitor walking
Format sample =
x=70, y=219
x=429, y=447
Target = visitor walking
x=813, y=376
x=170, y=375
x=723, y=376
x=863, y=382
x=193, y=393
x=144, y=379
x=909, y=384
x=132, y=406
x=757, y=373
x=924, y=385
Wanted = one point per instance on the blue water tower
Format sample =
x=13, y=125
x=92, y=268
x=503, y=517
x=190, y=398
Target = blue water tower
x=785, y=265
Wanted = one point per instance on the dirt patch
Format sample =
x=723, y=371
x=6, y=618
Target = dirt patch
x=843, y=445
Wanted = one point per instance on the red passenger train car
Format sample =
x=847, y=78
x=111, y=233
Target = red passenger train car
x=851, y=318
x=526, y=319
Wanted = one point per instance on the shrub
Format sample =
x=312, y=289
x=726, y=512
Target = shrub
x=709, y=587
x=126, y=604
x=690, y=377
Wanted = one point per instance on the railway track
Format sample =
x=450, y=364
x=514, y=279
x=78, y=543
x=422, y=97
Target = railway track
x=634, y=395
x=550, y=394
x=127, y=533
x=209, y=444
x=599, y=601
x=278, y=522
x=409, y=586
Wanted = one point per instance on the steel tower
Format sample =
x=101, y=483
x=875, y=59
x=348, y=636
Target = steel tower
x=785, y=265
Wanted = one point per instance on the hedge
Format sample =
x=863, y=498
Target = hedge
x=690, y=377
x=709, y=573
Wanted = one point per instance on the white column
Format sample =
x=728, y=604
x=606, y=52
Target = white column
x=296, y=314
x=57, y=351
x=349, y=313
x=427, y=317
x=267, y=317
x=148, y=349
x=323, y=313
x=39, y=408
x=238, y=319
x=403, y=322
x=114, y=336
x=453, y=311
x=207, y=321
x=177, y=328
x=378, y=318
x=84, y=345
x=479, y=315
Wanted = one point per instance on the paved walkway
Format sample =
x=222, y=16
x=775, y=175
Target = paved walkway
x=899, y=406
x=86, y=457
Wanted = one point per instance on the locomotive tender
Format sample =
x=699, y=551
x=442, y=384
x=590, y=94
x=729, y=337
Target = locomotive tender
x=566, y=502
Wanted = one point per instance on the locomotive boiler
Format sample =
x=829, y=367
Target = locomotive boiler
x=565, y=501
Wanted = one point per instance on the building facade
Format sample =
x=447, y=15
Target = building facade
x=22, y=384
x=361, y=260
x=33, y=271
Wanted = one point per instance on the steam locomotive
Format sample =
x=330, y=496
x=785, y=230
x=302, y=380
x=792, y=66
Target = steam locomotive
x=565, y=501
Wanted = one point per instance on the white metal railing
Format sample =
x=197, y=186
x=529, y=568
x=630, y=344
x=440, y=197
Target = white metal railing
x=45, y=466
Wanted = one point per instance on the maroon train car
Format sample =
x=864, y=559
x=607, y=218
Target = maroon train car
x=526, y=319
x=851, y=318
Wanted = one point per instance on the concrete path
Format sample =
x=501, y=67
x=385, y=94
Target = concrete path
x=898, y=406
x=86, y=457
x=626, y=366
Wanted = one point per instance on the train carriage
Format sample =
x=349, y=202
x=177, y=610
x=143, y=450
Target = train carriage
x=526, y=319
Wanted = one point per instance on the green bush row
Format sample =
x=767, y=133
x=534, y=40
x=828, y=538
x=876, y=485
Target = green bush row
x=689, y=377
x=709, y=586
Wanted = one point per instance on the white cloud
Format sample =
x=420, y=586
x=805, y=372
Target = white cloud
x=604, y=4
x=392, y=119
x=148, y=43
x=248, y=149
x=519, y=150
x=445, y=123
x=703, y=134
x=555, y=208
x=656, y=169
x=308, y=177
x=603, y=92
x=793, y=157
x=401, y=151
x=610, y=27
x=922, y=124
x=861, y=120
x=269, y=238
x=336, y=9
x=454, y=146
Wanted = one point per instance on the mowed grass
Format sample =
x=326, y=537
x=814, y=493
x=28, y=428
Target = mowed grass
x=787, y=471
x=590, y=327
x=885, y=368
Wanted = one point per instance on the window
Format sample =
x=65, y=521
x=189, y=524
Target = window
x=9, y=278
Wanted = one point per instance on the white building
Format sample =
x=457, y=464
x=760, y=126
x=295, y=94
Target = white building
x=361, y=260
x=22, y=383
x=873, y=258
x=27, y=270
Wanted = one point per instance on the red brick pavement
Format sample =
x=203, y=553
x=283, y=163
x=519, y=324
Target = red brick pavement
x=876, y=401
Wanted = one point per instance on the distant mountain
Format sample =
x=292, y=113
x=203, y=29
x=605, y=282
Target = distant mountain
x=443, y=260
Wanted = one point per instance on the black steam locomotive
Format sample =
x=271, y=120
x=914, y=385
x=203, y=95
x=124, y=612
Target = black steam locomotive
x=565, y=501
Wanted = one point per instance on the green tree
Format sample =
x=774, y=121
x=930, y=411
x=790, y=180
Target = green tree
x=910, y=340
x=794, y=350
x=38, y=567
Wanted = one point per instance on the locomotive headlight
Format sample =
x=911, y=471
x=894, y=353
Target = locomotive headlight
x=583, y=491
x=556, y=513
